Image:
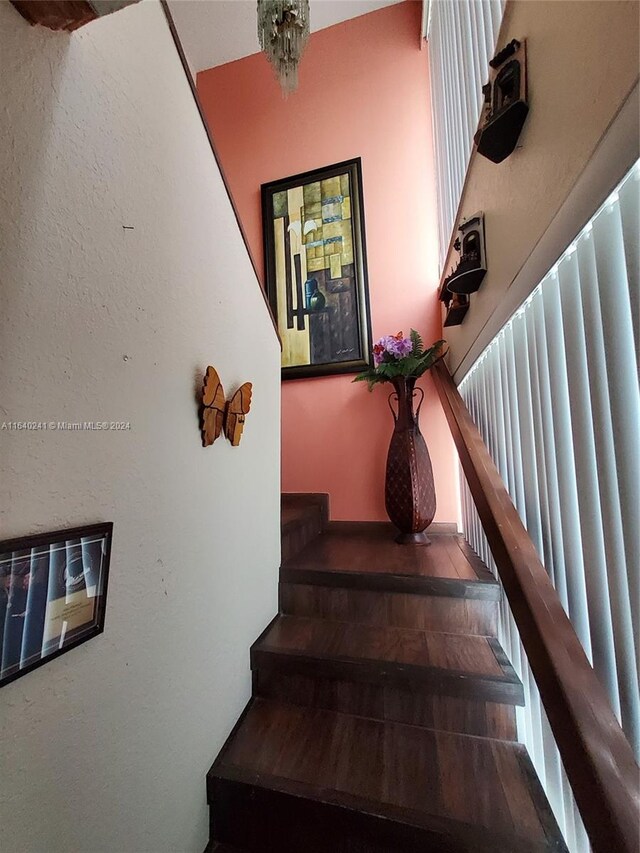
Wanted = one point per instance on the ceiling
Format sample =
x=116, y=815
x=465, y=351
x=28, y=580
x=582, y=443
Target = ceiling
x=213, y=32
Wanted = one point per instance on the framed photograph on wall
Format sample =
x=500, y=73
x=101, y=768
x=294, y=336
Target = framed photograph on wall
x=316, y=270
x=53, y=592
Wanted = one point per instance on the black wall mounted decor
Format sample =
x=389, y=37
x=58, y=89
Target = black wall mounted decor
x=457, y=307
x=505, y=103
x=471, y=269
x=472, y=266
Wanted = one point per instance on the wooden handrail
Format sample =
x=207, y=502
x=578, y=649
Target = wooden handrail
x=597, y=757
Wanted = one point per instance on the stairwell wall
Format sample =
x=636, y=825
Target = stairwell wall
x=364, y=92
x=106, y=748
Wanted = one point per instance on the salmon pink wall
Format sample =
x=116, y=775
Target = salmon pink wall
x=364, y=92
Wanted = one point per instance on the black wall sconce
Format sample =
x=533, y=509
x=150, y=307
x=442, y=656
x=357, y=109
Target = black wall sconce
x=467, y=277
x=505, y=105
x=472, y=266
x=457, y=306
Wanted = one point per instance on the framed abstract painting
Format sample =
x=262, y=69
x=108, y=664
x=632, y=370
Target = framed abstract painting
x=316, y=270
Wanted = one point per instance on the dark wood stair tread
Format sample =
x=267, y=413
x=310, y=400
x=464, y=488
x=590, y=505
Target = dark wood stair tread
x=291, y=513
x=365, y=556
x=294, y=513
x=481, y=793
x=452, y=664
x=295, y=507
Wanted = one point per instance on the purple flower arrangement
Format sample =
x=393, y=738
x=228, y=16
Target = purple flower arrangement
x=395, y=355
x=396, y=346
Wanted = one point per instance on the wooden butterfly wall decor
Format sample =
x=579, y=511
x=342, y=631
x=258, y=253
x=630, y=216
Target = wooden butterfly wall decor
x=219, y=414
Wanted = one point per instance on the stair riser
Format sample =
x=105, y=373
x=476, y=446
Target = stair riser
x=261, y=820
x=311, y=518
x=450, y=614
x=412, y=704
x=389, y=582
x=429, y=681
x=297, y=534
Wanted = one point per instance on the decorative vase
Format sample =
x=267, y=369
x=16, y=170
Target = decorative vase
x=409, y=493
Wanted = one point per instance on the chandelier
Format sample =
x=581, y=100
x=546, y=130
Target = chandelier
x=283, y=32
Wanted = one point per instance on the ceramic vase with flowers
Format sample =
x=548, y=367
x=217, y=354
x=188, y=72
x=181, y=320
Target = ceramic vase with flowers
x=409, y=493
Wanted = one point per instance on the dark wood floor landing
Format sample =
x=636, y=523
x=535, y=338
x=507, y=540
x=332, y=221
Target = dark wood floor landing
x=370, y=549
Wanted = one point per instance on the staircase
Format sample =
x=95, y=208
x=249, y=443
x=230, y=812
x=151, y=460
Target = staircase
x=383, y=709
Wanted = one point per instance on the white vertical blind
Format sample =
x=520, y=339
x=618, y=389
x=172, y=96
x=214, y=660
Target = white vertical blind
x=557, y=399
x=462, y=36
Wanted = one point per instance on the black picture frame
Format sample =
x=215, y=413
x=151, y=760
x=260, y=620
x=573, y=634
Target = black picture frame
x=43, y=579
x=337, y=323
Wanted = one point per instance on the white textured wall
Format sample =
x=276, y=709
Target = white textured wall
x=106, y=748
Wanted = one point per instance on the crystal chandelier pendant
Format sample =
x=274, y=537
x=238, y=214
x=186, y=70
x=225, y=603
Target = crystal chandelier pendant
x=283, y=32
